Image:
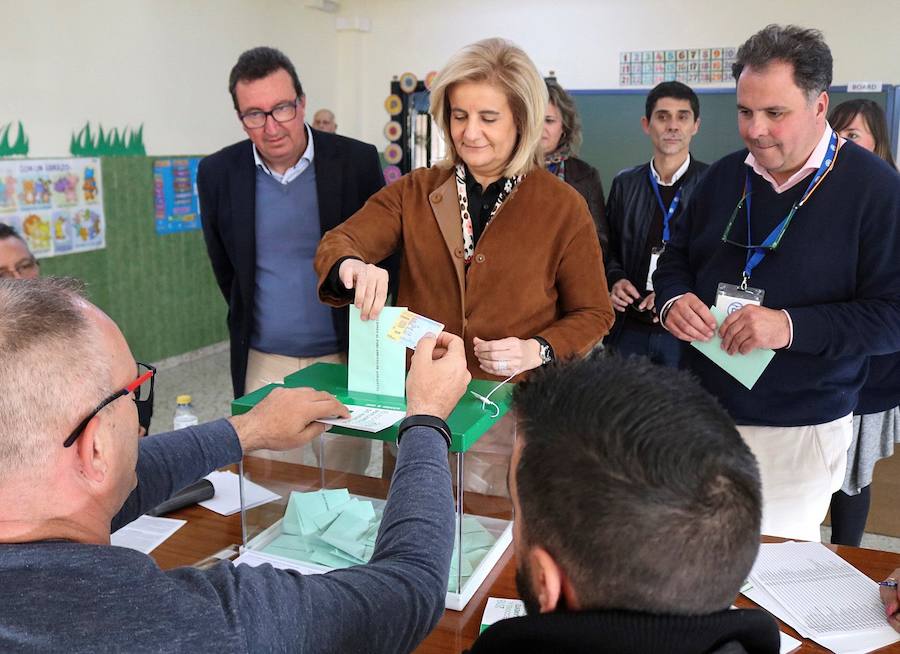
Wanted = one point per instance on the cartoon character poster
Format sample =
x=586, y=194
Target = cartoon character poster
x=175, y=195
x=56, y=204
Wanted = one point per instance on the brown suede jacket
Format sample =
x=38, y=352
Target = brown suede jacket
x=537, y=268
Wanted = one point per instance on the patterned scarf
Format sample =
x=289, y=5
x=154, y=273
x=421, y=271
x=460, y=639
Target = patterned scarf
x=467, y=229
x=555, y=162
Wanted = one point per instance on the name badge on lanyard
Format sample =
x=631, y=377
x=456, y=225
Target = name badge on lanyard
x=730, y=298
x=667, y=213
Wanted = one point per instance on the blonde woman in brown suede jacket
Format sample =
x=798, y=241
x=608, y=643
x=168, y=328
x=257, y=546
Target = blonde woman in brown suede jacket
x=518, y=273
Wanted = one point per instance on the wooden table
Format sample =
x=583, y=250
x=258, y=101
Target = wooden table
x=207, y=533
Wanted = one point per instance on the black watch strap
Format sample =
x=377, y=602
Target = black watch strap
x=547, y=354
x=425, y=421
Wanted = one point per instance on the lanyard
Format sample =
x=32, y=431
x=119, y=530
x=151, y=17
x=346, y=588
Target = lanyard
x=756, y=254
x=667, y=213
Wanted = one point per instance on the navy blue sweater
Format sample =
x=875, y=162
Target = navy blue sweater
x=837, y=272
x=882, y=389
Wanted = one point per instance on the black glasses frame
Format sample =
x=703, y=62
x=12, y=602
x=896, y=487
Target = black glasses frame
x=771, y=248
x=265, y=114
x=146, y=373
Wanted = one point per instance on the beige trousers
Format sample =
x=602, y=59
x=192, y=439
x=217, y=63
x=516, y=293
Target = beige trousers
x=800, y=468
x=343, y=453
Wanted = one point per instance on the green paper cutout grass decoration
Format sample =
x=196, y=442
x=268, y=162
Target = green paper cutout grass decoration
x=107, y=144
x=21, y=143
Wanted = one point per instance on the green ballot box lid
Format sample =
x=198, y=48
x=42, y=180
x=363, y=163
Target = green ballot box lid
x=468, y=422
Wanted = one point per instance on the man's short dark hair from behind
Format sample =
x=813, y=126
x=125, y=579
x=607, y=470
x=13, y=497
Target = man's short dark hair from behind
x=638, y=484
x=257, y=63
x=805, y=49
x=7, y=231
x=675, y=90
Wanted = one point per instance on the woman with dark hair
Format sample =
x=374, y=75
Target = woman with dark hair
x=863, y=122
x=876, y=420
x=560, y=141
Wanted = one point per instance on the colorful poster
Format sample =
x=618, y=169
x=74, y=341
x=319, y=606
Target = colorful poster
x=175, y=195
x=55, y=204
x=691, y=66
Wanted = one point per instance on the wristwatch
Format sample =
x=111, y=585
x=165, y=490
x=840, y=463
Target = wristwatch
x=546, y=350
x=425, y=421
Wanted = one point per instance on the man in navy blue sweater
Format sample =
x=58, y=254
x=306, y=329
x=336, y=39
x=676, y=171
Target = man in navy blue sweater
x=796, y=241
x=70, y=472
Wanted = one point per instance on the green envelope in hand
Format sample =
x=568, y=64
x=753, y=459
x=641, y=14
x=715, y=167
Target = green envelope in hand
x=746, y=368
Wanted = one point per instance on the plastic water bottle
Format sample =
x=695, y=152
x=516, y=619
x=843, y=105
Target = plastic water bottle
x=184, y=412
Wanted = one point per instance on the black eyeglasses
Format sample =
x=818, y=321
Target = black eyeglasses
x=25, y=269
x=141, y=391
x=282, y=113
x=726, y=235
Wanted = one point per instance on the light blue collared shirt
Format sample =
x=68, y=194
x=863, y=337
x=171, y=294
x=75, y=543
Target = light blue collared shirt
x=294, y=171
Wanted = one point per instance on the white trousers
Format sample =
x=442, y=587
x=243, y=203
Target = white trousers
x=344, y=453
x=800, y=468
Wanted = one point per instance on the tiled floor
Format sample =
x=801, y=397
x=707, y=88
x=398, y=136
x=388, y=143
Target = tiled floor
x=205, y=376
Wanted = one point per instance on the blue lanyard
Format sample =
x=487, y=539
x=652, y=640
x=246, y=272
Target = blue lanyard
x=755, y=255
x=667, y=213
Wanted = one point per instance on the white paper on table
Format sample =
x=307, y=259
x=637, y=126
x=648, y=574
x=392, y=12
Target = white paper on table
x=788, y=643
x=254, y=559
x=367, y=418
x=146, y=533
x=227, y=499
x=821, y=596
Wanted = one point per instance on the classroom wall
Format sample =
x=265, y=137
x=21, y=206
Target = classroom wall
x=163, y=63
x=581, y=39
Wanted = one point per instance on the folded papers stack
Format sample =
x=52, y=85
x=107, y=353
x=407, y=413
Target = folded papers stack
x=330, y=528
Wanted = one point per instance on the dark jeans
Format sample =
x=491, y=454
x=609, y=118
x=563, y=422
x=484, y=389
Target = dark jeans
x=848, y=516
x=659, y=346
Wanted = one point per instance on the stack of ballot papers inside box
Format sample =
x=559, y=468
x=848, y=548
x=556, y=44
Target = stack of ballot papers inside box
x=333, y=529
x=823, y=597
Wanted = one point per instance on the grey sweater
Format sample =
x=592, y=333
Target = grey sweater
x=61, y=596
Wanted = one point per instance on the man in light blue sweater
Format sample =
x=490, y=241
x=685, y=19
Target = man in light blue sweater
x=71, y=474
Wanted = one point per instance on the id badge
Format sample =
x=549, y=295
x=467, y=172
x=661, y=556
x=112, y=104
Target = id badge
x=730, y=298
x=654, y=261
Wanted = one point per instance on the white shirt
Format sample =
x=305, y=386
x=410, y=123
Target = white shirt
x=294, y=171
x=678, y=174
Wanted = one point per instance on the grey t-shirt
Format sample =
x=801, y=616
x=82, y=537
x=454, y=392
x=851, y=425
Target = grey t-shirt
x=61, y=596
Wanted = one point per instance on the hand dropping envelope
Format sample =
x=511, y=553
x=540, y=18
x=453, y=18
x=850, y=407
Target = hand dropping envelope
x=409, y=328
x=746, y=368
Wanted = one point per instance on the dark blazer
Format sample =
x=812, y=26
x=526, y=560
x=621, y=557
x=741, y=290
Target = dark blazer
x=347, y=173
x=585, y=179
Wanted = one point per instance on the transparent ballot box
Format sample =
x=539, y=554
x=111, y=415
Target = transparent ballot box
x=331, y=502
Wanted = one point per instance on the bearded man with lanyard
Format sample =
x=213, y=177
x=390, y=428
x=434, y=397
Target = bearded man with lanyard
x=796, y=241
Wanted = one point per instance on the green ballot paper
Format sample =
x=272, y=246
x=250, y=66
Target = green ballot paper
x=746, y=368
x=376, y=364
